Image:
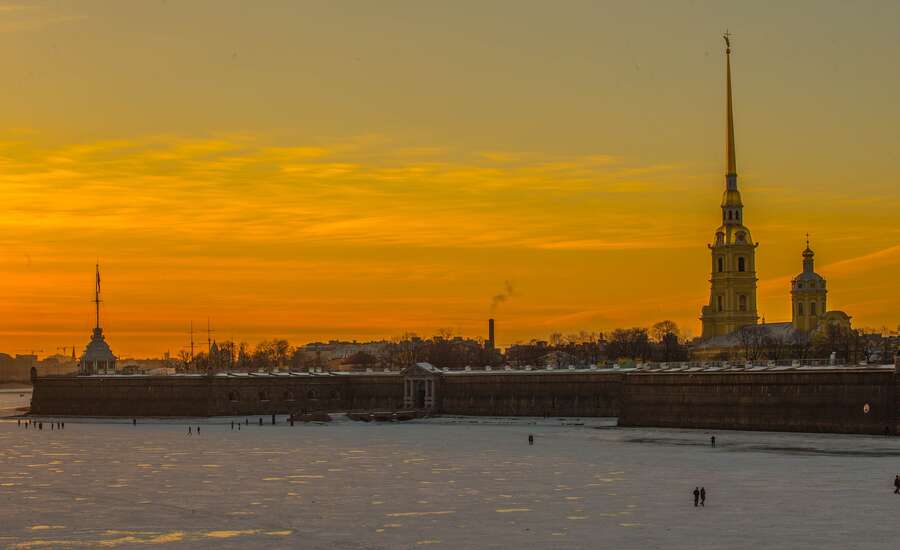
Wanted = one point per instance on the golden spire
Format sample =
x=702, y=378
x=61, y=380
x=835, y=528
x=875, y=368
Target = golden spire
x=732, y=164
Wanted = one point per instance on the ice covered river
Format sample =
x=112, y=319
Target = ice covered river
x=446, y=483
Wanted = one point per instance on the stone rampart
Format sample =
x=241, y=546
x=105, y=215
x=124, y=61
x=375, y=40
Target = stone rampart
x=837, y=400
x=830, y=399
x=531, y=393
x=134, y=396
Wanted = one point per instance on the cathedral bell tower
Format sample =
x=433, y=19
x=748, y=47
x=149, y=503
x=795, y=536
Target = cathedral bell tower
x=807, y=295
x=732, y=297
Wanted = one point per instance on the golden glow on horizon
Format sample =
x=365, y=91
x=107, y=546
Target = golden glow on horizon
x=351, y=224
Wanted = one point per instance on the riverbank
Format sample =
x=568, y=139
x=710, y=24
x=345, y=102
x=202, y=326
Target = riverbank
x=14, y=401
x=447, y=482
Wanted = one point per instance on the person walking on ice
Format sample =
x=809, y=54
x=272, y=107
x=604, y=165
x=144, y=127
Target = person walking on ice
x=702, y=496
x=712, y=440
x=696, y=495
x=897, y=484
x=189, y=430
x=530, y=439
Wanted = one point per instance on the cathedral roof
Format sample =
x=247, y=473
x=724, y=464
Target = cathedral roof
x=731, y=197
x=776, y=331
x=809, y=276
x=97, y=349
x=808, y=273
x=731, y=233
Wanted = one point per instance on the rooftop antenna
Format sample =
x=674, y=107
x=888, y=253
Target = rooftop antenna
x=209, y=332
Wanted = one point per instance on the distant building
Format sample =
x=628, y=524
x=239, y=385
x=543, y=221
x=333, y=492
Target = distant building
x=97, y=358
x=16, y=369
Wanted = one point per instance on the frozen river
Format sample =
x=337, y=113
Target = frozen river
x=447, y=483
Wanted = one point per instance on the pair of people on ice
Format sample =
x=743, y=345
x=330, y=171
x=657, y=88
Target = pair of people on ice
x=700, y=496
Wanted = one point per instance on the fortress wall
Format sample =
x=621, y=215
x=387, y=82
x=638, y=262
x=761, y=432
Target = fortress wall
x=536, y=393
x=120, y=396
x=827, y=400
x=810, y=401
x=501, y=394
x=134, y=396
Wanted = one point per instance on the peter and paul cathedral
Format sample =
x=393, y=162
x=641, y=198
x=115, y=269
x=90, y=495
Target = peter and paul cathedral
x=732, y=295
x=732, y=283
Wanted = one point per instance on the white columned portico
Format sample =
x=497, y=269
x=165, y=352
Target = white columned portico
x=420, y=386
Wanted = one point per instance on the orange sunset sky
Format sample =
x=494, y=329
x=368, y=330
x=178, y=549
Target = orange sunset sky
x=357, y=170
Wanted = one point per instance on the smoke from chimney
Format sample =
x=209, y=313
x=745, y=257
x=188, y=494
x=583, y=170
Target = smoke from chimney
x=508, y=292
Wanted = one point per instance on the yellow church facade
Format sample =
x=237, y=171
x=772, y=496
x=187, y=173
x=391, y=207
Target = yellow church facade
x=732, y=302
x=732, y=296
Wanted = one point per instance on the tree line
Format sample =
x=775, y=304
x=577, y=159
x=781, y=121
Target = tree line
x=661, y=342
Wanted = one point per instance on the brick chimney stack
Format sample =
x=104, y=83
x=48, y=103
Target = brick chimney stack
x=490, y=340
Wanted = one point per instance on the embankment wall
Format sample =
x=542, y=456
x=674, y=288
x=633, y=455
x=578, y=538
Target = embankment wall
x=536, y=393
x=134, y=396
x=832, y=400
x=839, y=400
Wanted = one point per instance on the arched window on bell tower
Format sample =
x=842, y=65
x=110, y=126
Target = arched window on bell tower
x=742, y=264
x=721, y=264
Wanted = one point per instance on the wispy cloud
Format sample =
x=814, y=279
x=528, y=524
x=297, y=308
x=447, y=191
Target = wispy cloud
x=22, y=17
x=244, y=188
x=864, y=262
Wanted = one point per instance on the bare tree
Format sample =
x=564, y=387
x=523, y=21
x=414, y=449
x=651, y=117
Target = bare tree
x=750, y=341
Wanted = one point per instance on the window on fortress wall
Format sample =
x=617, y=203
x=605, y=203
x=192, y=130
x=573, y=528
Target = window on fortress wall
x=721, y=264
x=232, y=396
x=812, y=308
x=334, y=394
x=742, y=302
x=742, y=264
x=312, y=394
x=719, y=303
x=263, y=396
x=288, y=395
x=799, y=308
